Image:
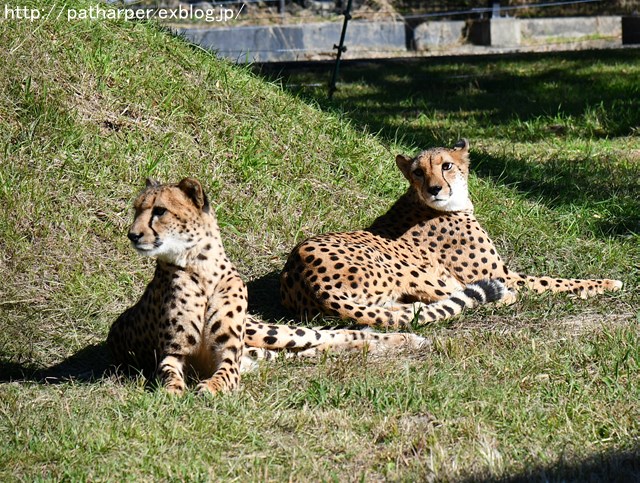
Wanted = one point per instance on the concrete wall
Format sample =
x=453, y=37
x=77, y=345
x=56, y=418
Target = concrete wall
x=298, y=42
x=315, y=41
x=512, y=32
x=438, y=35
x=538, y=28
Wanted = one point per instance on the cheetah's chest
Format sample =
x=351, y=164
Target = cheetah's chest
x=462, y=246
x=179, y=302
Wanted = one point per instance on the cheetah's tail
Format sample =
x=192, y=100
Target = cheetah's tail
x=308, y=341
x=471, y=296
x=581, y=287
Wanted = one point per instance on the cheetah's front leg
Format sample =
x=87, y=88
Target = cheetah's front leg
x=224, y=334
x=171, y=372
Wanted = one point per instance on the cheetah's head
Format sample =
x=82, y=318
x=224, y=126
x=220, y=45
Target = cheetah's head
x=439, y=176
x=168, y=219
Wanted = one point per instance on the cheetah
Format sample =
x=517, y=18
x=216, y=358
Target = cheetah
x=191, y=320
x=426, y=259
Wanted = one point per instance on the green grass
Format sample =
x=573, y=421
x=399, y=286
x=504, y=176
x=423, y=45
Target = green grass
x=546, y=387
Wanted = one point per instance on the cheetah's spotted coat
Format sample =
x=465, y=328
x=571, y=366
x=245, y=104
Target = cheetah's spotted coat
x=192, y=315
x=426, y=259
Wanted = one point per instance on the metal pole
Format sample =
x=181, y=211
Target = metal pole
x=341, y=48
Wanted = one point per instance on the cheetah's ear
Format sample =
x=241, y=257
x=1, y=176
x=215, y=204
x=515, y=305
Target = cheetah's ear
x=461, y=151
x=152, y=183
x=404, y=163
x=461, y=145
x=193, y=189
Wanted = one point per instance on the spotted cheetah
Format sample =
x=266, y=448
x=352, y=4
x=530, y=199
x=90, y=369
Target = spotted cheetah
x=424, y=260
x=192, y=317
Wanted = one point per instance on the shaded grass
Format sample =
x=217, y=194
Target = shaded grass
x=527, y=96
x=550, y=384
x=560, y=128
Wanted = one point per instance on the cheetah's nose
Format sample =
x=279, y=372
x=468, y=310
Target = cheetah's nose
x=434, y=190
x=134, y=237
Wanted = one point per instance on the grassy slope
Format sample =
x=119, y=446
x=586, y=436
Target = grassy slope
x=88, y=109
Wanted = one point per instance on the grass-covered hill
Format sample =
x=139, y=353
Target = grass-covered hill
x=88, y=109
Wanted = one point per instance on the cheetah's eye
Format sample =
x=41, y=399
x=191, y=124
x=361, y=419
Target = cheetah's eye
x=158, y=211
x=418, y=172
x=447, y=166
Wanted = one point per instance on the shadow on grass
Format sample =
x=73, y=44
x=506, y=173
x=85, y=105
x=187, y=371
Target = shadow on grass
x=87, y=365
x=592, y=88
x=523, y=97
x=582, y=182
x=264, y=298
x=614, y=466
x=93, y=362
